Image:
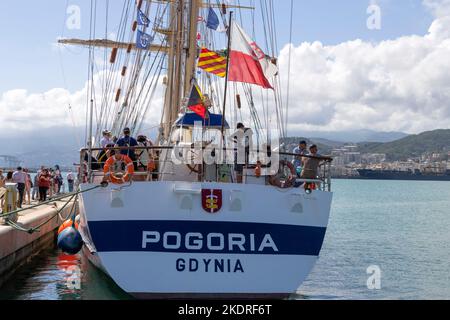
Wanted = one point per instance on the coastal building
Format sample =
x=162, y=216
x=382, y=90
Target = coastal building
x=7, y=161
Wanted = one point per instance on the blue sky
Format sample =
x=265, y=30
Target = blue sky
x=28, y=29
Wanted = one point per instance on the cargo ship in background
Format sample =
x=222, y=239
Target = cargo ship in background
x=416, y=174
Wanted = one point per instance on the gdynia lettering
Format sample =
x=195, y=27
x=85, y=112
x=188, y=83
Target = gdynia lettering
x=210, y=265
x=232, y=243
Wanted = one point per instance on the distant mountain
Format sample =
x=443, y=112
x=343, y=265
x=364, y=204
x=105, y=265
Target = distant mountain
x=58, y=145
x=324, y=146
x=355, y=136
x=437, y=141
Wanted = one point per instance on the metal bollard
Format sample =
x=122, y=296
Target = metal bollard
x=10, y=202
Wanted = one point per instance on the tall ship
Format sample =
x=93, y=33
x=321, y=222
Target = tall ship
x=212, y=208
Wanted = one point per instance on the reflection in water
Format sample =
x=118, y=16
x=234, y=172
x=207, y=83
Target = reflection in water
x=400, y=226
x=53, y=275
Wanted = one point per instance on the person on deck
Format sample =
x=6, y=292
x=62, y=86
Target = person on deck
x=128, y=141
x=106, y=142
x=311, y=166
x=107, y=138
x=242, y=140
x=301, y=150
x=145, y=157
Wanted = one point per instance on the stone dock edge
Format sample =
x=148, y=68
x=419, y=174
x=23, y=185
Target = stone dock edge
x=18, y=247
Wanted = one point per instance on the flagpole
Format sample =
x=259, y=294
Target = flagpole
x=226, y=76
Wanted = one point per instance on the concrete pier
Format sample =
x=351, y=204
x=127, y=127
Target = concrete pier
x=18, y=247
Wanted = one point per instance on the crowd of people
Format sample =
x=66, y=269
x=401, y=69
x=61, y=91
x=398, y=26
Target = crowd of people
x=307, y=162
x=140, y=158
x=46, y=183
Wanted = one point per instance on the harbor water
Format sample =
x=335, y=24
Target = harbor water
x=386, y=240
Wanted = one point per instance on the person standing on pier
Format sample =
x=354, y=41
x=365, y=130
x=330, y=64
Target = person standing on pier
x=28, y=186
x=20, y=178
x=59, y=181
x=35, y=192
x=70, y=181
x=9, y=177
x=2, y=187
x=44, y=184
x=2, y=179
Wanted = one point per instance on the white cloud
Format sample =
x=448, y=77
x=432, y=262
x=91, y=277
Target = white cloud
x=395, y=85
x=24, y=111
x=439, y=8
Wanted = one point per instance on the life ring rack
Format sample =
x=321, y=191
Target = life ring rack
x=113, y=176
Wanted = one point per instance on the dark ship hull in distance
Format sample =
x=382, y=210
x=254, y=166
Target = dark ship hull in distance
x=403, y=175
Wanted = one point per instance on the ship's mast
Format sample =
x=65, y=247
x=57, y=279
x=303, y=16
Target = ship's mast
x=183, y=49
x=166, y=125
x=179, y=43
x=191, y=54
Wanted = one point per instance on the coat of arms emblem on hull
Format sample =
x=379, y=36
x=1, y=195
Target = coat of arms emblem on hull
x=212, y=200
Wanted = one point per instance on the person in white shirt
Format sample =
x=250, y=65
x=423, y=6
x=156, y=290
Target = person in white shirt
x=301, y=150
x=106, y=142
x=107, y=138
x=20, y=178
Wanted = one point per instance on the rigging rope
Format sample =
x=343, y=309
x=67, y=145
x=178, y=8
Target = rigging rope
x=289, y=67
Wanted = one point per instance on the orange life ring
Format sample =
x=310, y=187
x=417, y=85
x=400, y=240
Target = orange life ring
x=276, y=182
x=112, y=176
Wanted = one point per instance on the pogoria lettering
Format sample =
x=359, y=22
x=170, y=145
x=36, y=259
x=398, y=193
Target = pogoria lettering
x=212, y=242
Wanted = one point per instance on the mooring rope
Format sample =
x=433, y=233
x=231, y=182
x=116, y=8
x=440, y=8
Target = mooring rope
x=36, y=228
x=74, y=203
x=32, y=230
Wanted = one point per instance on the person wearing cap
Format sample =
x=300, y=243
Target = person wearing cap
x=105, y=142
x=146, y=157
x=107, y=138
x=128, y=141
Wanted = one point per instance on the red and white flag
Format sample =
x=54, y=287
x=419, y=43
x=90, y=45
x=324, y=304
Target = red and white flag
x=248, y=63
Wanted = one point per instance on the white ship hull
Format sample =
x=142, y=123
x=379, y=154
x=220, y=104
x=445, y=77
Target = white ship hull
x=156, y=240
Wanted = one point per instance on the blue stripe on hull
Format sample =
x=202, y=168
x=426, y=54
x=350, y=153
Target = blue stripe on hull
x=127, y=236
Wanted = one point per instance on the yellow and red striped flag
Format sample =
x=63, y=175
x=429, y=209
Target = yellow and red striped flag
x=212, y=62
